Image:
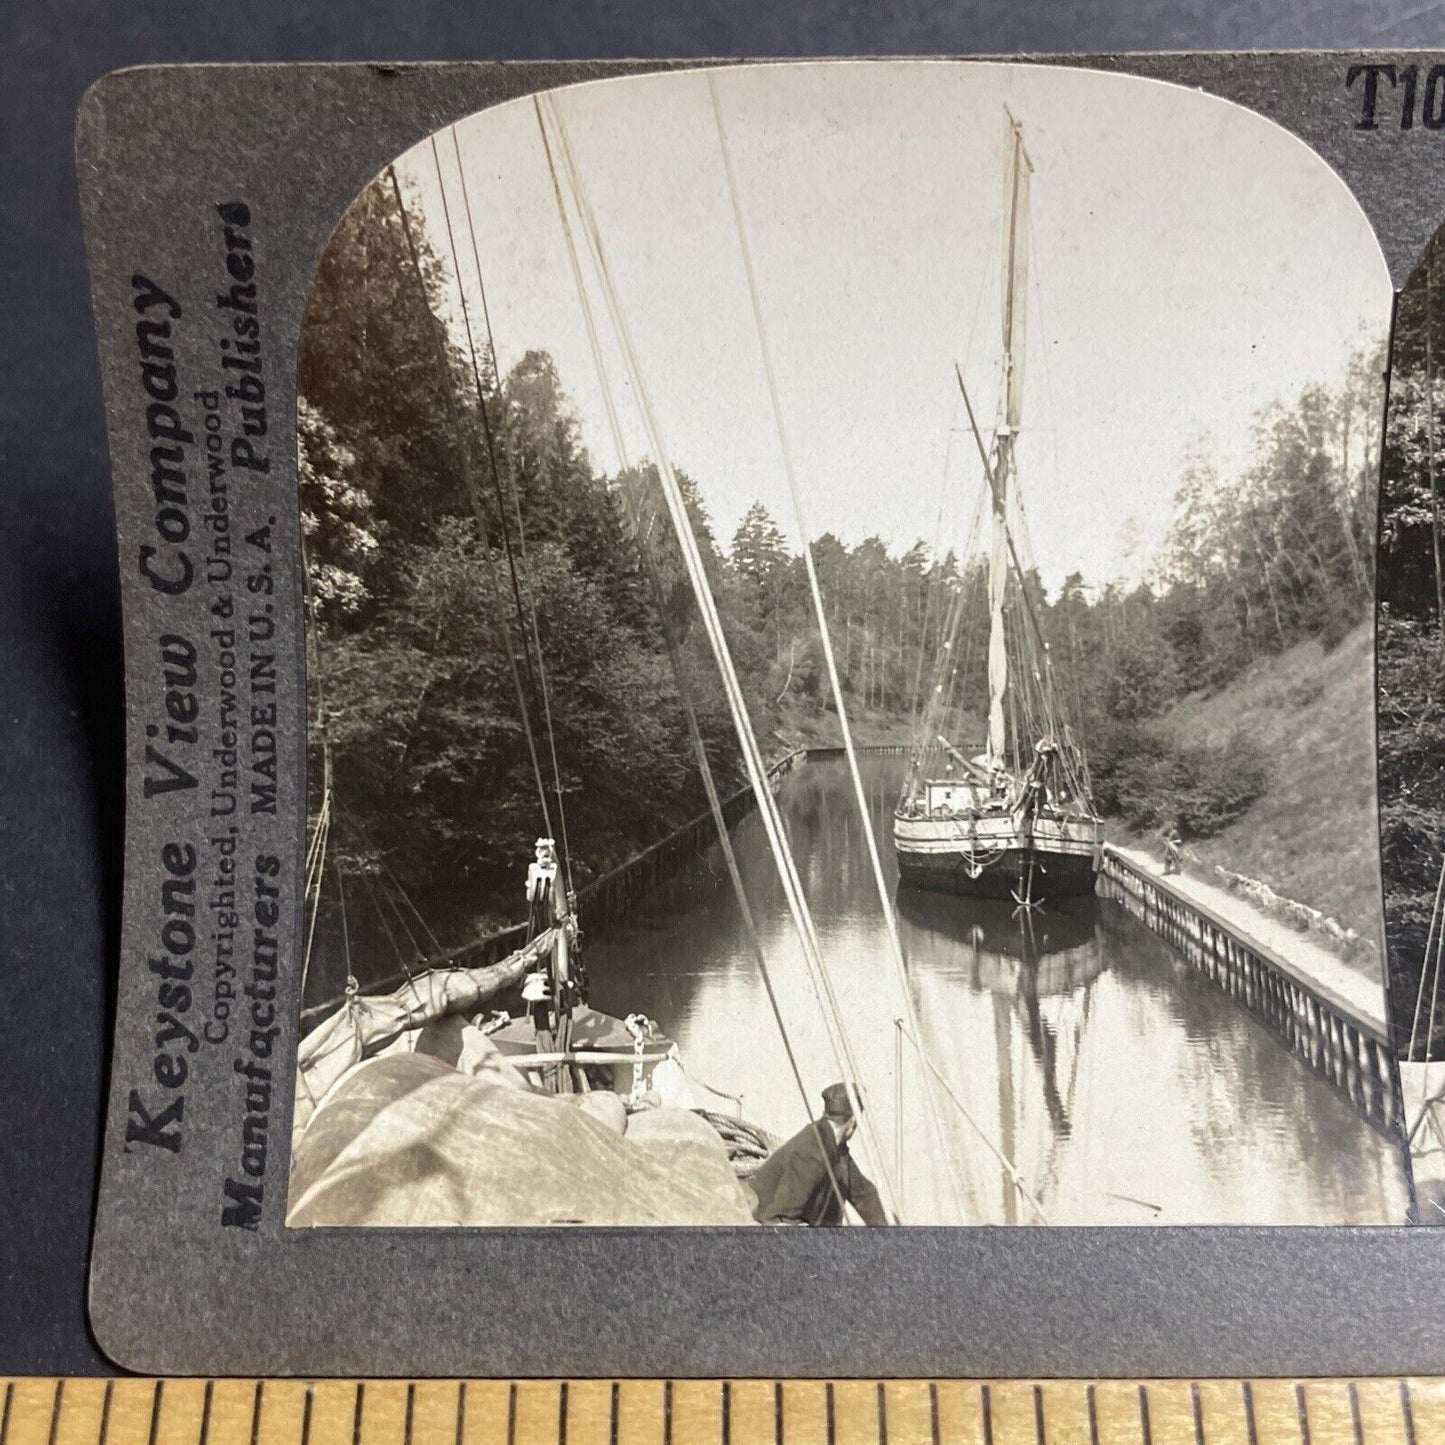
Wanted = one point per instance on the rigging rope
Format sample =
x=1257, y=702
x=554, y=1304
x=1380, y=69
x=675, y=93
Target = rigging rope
x=1009, y=1168
x=895, y=943
x=474, y=493
x=641, y=527
x=1432, y=938
x=1425, y=962
x=752, y=756
x=541, y=674
x=316, y=849
x=1017, y=535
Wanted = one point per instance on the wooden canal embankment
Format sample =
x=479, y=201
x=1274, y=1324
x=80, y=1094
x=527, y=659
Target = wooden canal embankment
x=1343, y=1040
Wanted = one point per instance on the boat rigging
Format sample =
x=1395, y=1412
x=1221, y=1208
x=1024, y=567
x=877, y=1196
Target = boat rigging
x=1016, y=819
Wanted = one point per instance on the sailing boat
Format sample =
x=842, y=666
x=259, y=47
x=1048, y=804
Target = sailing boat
x=1018, y=818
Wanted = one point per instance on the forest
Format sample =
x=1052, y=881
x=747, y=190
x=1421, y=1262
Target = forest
x=1410, y=649
x=463, y=549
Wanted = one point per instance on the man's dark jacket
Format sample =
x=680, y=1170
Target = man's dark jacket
x=793, y=1186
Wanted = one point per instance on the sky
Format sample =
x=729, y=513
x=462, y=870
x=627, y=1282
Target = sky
x=1190, y=263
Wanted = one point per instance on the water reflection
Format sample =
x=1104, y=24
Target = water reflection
x=1071, y=1042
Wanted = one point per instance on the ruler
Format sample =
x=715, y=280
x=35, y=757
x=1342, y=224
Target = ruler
x=722, y=1412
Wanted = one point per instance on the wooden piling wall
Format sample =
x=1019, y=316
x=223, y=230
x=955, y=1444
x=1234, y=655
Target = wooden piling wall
x=1350, y=1052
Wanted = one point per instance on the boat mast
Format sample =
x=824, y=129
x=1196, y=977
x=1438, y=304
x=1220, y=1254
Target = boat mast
x=1014, y=276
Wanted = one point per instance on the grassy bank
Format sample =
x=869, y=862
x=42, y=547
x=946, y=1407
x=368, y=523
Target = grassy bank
x=1312, y=836
x=801, y=725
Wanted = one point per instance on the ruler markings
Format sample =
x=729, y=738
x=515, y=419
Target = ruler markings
x=81, y=1422
x=1427, y=1409
x=1219, y=1416
x=1116, y=1413
x=128, y=1422
x=752, y=1412
x=1013, y=1415
x=1327, y=1407
x=533, y=1411
x=909, y=1412
x=1382, y=1415
x=333, y=1413
x=180, y=1414
x=855, y=1413
x=1276, y=1412
x=55, y=1410
x=959, y=1422
x=383, y=1412
x=712, y=1412
x=1407, y=1413
x=1062, y=1413
x=436, y=1412
x=640, y=1414
x=803, y=1413
x=1170, y=1412
x=487, y=1410
x=696, y=1413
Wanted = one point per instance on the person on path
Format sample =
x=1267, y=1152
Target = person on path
x=1173, y=850
x=801, y=1181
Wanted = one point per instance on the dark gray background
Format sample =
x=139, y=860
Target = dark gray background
x=60, y=669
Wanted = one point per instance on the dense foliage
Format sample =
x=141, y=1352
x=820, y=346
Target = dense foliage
x=460, y=552
x=1410, y=646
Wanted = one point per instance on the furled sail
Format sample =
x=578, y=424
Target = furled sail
x=1015, y=279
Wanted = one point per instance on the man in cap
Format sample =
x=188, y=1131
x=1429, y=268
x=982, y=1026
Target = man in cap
x=807, y=1180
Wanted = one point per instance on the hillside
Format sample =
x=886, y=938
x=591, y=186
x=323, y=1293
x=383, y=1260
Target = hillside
x=801, y=725
x=1313, y=835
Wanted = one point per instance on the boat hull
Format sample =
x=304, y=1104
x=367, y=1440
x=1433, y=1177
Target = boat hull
x=992, y=859
x=1058, y=875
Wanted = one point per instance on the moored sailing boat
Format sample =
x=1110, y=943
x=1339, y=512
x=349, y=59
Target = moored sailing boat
x=1016, y=820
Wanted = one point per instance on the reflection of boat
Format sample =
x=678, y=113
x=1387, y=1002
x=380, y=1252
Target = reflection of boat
x=1017, y=819
x=1057, y=946
x=1026, y=958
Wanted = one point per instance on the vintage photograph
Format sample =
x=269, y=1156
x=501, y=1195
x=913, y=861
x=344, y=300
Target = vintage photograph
x=840, y=662
x=1410, y=597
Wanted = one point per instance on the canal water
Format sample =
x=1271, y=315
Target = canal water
x=1084, y=1073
